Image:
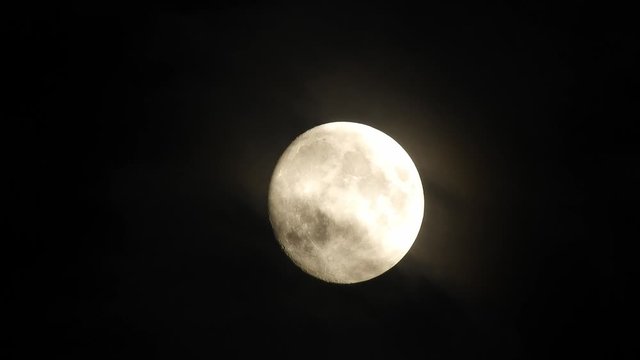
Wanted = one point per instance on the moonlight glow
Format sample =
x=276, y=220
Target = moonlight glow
x=345, y=202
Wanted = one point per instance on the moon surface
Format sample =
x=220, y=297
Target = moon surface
x=345, y=202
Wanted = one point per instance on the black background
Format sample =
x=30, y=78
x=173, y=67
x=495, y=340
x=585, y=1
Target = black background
x=141, y=143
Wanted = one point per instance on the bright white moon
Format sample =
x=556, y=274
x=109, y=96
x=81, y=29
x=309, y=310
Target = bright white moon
x=345, y=202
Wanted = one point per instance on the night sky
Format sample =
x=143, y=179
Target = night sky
x=141, y=142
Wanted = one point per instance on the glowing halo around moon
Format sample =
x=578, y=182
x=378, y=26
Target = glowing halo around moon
x=345, y=202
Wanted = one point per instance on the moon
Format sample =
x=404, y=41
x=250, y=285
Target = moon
x=345, y=202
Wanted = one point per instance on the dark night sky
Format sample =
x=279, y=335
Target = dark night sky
x=141, y=143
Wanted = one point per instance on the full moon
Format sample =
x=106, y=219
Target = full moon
x=345, y=202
